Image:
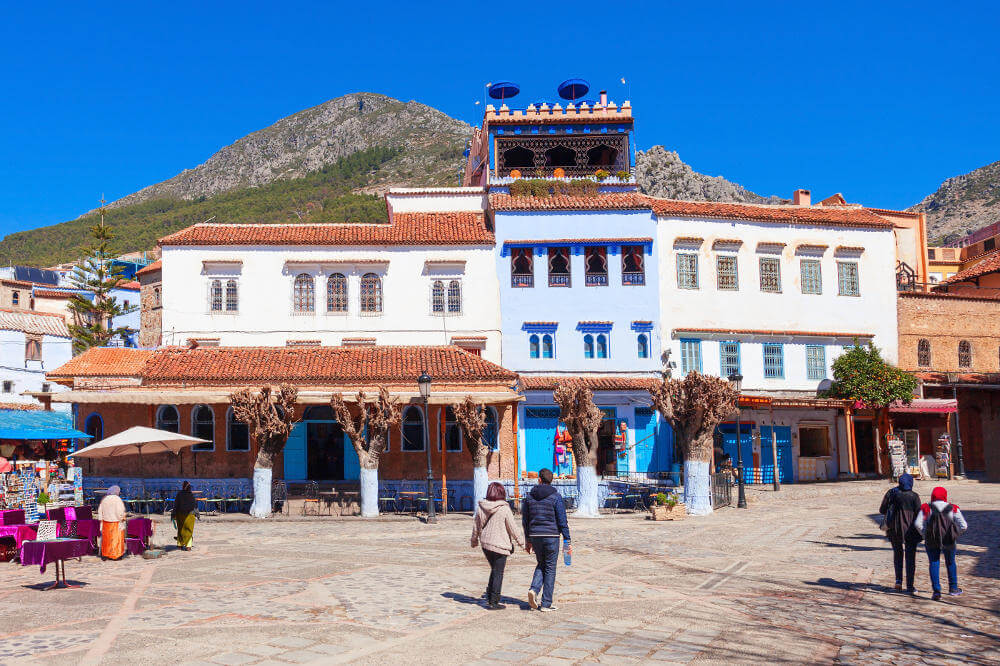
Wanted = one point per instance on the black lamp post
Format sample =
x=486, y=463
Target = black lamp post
x=737, y=382
x=424, y=382
x=958, y=435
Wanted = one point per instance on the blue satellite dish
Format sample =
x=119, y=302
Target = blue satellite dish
x=504, y=90
x=573, y=88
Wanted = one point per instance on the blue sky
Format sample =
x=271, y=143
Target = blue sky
x=879, y=101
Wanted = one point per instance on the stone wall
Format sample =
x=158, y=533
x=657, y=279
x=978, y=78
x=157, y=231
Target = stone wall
x=151, y=310
x=945, y=320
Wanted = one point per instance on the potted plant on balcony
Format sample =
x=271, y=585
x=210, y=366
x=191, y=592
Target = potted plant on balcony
x=666, y=507
x=601, y=174
x=622, y=175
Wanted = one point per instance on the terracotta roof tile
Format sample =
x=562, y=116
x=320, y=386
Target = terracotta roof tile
x=103, y=362
x=459, y=228
x=609, y=201
x=131, y=285
x=823, y=215
x=594, y=383
x=153, y=267
x=34, y=323
x=989, y=265
x=889, y=211
x=53, y=293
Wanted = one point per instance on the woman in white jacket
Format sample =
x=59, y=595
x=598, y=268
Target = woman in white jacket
x=495, y=529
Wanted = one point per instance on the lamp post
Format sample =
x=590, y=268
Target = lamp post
x=424, y=382
x=958, y=435
x=737, y=382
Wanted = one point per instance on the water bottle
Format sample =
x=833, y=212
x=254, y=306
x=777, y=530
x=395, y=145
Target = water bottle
x=567, y=553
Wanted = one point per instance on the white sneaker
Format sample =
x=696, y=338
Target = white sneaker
x=549, y=609
x=532, y=599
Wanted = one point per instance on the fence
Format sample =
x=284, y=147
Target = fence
x=722, y=490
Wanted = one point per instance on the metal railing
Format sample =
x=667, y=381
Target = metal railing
x=558, y=280
x=722, y=490
x=522, y=280
x=597, y=279
x=633, y=279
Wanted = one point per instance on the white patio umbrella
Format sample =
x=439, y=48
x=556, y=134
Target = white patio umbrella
x=136, y=440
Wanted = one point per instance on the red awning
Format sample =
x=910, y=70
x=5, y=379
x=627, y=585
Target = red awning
x=925, y=406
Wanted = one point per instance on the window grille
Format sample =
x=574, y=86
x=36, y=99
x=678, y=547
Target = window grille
x=815, y=362
x=924, y=353
x=812, y=276
x=690, y=356
x=770, y=274
x=633, y=267
x=371, y=293
x=303, y=295
x=774, y=361
x=559, y=267
x=533, y=346
x=232, y=296
x=847, y=278
x=964, y=354
x=437, y=297
x=725, y=273
x=215, y=296
x=454, y=297
x=336, y=293
x=643, y=346
x=687, y=271
x=729, y=353
x=588, y=346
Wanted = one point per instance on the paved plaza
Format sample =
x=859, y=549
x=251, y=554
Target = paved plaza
x=803, y=576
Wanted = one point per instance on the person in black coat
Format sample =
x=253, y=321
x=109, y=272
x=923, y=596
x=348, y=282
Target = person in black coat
x=184, y=513
x=543, y=516
x=900, y=506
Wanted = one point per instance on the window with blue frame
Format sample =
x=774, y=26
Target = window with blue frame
x=548, y=346
x=588, y=346
x=690, y=356
x=533, y=346
x=815, y=362
x=729, y=358
x=774, y=361
x=643, y=345
x=602, y=346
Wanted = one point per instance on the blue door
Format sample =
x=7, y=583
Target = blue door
x=728, y=431
x=352, y=466
x=539, y=435
x=654, y=443
x=784, y=437
x=295, y=454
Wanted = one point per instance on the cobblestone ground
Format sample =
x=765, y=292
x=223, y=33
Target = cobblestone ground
x=803, y=576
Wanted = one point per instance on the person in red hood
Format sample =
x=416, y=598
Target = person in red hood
x=941, y=524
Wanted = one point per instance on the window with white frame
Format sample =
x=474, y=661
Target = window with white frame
x=726, y=277
x=452, y=432
x=812, y=276
x=815, y=362
x=232, y=296
x=446, y=297
x=454, y=297
x=167, y=418
x=687, y=270
x=690, y=356
x=729, y=358
x=412, y=429
x=303, y=294
x=336, y=293
x=770, y=274
x=847, y=278
x=774, y=361
x=215, y=296
x=371, y=294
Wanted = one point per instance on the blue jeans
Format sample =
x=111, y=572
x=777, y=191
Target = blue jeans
x=546, y=556
x=934, y=555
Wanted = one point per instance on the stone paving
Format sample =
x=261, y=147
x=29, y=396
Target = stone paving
x=804, y=575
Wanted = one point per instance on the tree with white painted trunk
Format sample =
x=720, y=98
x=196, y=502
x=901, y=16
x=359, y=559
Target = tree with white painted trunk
x=694, y=407
x=368, y=430
x=471, y=419
x=269, y=418
x=582, y=418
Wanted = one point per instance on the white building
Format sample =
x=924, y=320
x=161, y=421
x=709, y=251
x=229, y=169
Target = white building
x=425, y=277
x=30, y=344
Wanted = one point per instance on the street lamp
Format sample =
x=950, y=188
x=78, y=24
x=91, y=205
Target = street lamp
x=958, y=435
x=737, y=381
x=424, y=382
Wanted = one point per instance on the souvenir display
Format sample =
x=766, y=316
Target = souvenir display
x=942, y=456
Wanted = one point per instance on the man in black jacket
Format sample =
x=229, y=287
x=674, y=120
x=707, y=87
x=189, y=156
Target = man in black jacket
x=900, y=506
x=543, y=516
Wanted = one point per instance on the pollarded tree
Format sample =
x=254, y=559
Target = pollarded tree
x=269, y=419
x=368, y=431
x=694, y=407
x=472, y=420
x=582, y=418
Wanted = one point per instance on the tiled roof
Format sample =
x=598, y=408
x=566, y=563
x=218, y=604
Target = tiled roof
x=103, y=362
x=821, y=215
x=128, y=284
x=594, y=383
x=459, y=228
x=20, y=406
x=958, y=378
x=32, y=322
x=609, y=201
x=964, y=296
x=889, y=211
x=750, y=331
x=989, y=265
x=153, y=267
x=53, y=293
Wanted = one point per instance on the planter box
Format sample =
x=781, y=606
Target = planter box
x=676, y=512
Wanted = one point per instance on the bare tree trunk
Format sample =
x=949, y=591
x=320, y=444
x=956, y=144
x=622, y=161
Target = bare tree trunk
x=369, y=483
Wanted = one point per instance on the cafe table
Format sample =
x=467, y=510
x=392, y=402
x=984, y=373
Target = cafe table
x=411, y=496
x=329, y=497
x=347, y=498
x=58, y=550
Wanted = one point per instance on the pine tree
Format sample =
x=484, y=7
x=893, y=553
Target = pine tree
x=95, y=309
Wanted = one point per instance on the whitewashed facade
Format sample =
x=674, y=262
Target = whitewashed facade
x=31, y=343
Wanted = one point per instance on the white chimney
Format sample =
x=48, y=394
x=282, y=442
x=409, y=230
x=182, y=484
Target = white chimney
x=801, y=197
x=604, y=98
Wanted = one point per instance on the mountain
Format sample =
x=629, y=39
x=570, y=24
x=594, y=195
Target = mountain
x=661, y=173
x=963, y=204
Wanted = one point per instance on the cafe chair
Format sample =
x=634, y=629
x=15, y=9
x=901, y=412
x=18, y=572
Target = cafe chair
x=279, y=497
x=214, y=499
x=386, y=499
x=310, y=503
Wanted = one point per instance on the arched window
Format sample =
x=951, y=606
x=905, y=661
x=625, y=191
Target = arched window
x=168, y=419
x=215, y=296
x=437, y=297
x=522, y=272
x=964, y=354
x=15, y=298
x=371, y=293
x=924, y=353
x=643, y=346
x=518, y=158
x=203, y=427
x=156, y=297
x=602, y=346
x=454, y=297
x=303, y=294
x=237, y=433
x=452, y=433
x=559, y=267
x=560, y=156
x=588, y=346
x=413, y=429
x=491, y=433
x=94, y=426
x=336, y=293
x=602, y=156
x=533, y=346
x=232, y=296
x=547, y=346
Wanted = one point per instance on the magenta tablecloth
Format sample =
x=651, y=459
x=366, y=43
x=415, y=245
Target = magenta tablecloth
x=21, y=533
x=79, y=513
x=44, y=552
x=135, y=546
x=12, y=517
x=85, y=529
x=140, y=528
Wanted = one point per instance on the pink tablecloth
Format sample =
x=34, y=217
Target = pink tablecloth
x=140, y=528
x=85, y=529
x=21, y=533
x=44, y=552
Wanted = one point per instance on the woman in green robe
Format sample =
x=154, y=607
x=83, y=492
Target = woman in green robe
x=185, y=509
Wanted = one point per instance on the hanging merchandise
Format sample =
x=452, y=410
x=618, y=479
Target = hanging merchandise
x=621, y=439
x=942, y=456
x=897, y=455
x=563, y=443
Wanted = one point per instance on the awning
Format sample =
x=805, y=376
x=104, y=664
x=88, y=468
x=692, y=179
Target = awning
x=925, y=406
x=306, y=397
x=37, y=424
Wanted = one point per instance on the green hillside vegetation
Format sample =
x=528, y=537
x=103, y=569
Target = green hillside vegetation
x=321, y=196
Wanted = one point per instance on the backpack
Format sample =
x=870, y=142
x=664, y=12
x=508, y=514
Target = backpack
x=941, y=530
